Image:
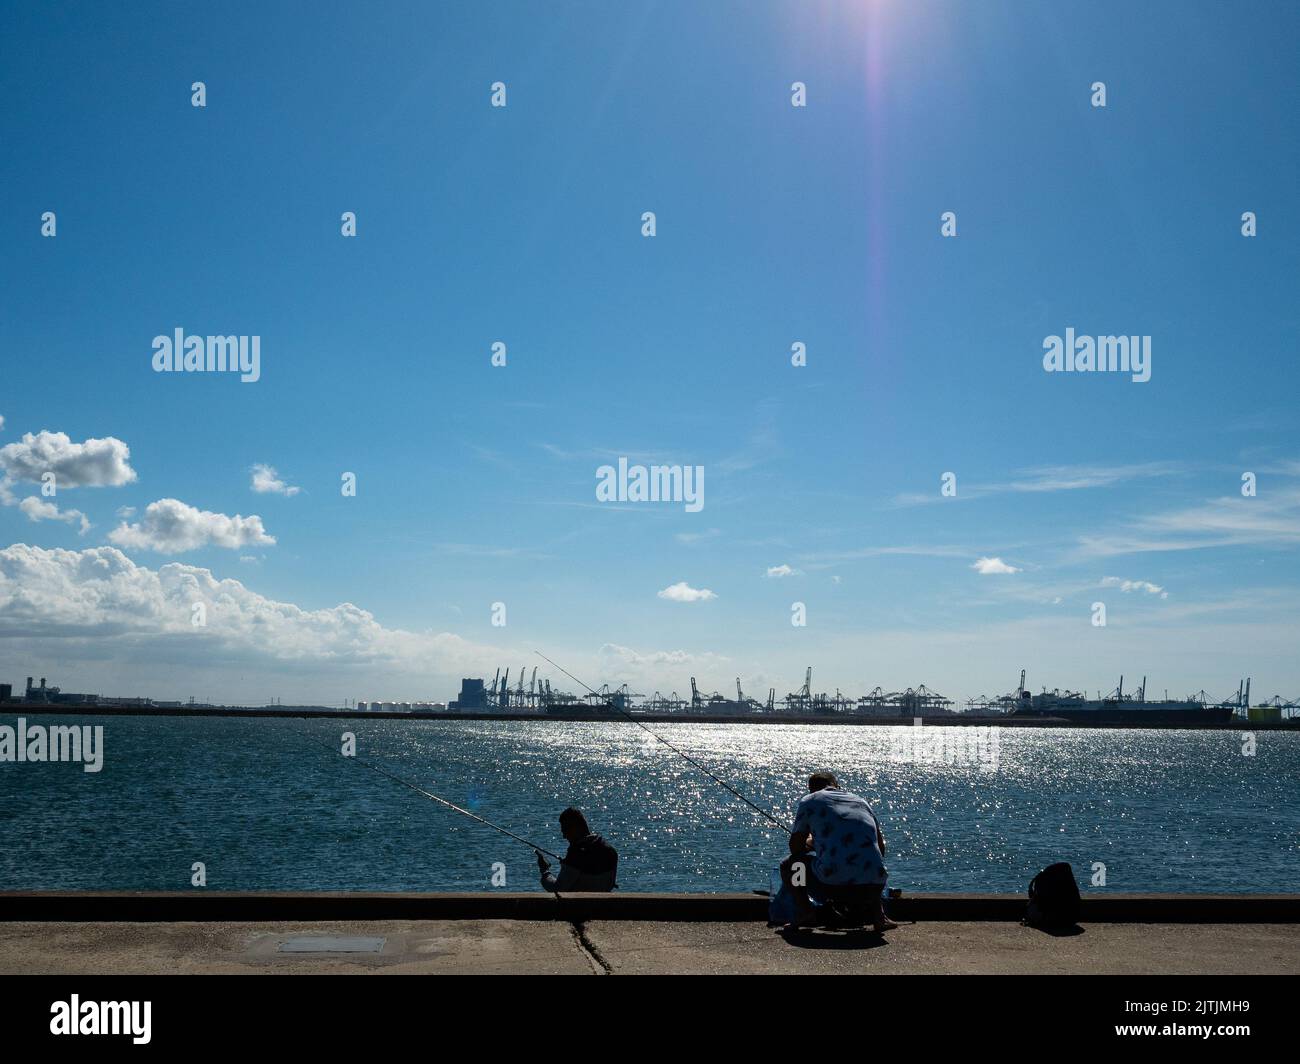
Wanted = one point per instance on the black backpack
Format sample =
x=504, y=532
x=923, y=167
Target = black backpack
x=1053, y=897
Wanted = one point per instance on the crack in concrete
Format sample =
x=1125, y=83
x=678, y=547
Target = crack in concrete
x=599, y=966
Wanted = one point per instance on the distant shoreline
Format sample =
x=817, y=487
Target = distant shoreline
x=323, y=712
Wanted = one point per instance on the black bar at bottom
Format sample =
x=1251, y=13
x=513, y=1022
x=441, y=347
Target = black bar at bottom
x=387, y=1017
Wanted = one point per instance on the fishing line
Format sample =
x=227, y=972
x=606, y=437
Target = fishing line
x=441, y=801
x=721, y=782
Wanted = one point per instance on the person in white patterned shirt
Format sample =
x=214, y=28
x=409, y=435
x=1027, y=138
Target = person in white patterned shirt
x=848, y=863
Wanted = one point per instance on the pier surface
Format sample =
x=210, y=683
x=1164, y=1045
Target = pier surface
x=630, y=934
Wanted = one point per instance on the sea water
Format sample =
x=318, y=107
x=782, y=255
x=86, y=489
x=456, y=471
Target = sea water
x=260, y=807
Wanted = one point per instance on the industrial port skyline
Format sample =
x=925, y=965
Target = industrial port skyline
x=538, y=697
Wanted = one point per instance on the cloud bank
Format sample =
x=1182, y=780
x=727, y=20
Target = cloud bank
x=99, y=592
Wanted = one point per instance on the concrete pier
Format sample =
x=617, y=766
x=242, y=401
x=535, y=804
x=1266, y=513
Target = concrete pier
x=210, y=932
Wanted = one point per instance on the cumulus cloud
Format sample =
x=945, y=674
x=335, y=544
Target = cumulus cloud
x=100, y=592
x=169, y=526
x=683, y=592
x=993, y=567
x=775, y=572
x=1135, y=585
x=37, y=509
x=266, y=481
x=93, y=464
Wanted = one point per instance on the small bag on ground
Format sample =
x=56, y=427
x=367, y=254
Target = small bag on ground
x=1053, y=897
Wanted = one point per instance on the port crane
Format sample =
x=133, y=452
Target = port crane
x=801, y=701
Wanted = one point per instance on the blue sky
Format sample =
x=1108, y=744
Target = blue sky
x=775, y=225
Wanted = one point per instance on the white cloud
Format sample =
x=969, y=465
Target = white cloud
x=775, y=572
x=93, y=464
x=1228, y=521
x=125, y=511
x=614, y=657
x=2, y=423
x=1135, y=585
x=683, y=592
x=1073, y=478
x=993, y=567
x=37, y=509
x=267, y=481
x=101, y=593
x=649, y=671
x=169, y=526
x=1049, y=479
x=696, y=537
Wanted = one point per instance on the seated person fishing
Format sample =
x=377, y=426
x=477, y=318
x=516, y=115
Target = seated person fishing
x=590, y=865
x=847, y=866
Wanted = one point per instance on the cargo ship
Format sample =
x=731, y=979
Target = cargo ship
x=1115, y=708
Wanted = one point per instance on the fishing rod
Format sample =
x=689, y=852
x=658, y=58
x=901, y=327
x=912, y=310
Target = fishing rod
x=440, y=801
x=686, y=757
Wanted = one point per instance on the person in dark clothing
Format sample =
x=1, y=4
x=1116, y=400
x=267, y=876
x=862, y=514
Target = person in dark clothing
x=590, y=865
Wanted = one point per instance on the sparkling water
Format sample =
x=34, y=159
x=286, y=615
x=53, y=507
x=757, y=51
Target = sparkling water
x=265, y=809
